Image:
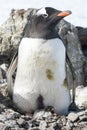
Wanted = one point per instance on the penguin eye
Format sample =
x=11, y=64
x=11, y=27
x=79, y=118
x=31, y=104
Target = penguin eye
x=45, y=15
x=42, y=12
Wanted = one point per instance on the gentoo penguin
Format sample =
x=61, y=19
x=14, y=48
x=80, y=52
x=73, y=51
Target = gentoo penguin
x=41, y=73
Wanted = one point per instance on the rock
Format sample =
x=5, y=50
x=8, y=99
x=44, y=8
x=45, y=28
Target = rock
x=11, y=123
x=56, y=127
x=83, y=118
x=26, y=117
x=7, y=128
x=82, y=33
x=81, y=113
x=73, y=116
x=25, y=125
x=38, y=114
x=42, y=125
x=35, y=129
x=68, y=125
x=35, y=123
x=69, y=35
x=15, y=115
x=3, y=118
x=81, y=96
x=42, y=114
x=47, y=115
x=10, y=114
x=17, y=129
x=20, y=121
x=2, y=126
x=14, y=27
x=50, y=128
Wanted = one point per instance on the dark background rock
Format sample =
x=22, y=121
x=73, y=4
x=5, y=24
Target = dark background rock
x=69, y=34
x=12, y=31
x=82, y=34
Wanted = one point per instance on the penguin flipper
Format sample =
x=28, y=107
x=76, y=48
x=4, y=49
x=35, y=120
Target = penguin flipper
x=10, y=72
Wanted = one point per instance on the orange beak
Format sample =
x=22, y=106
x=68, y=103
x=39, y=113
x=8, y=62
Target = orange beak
x=64, y=13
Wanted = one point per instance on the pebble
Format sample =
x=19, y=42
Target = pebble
x=11, y=123
x=81, y=113
x=25, y=125
x=3, y=118
x=50, y=128
x=38, y=114
x=69, y=125
x=73, y=116
x=35, y=129
x=81, y=96
x=83, y=118
x=20, y=121
x=56, y=126
x=2, y=125
x=47, y=114
x=42, y=125
x=35, y=123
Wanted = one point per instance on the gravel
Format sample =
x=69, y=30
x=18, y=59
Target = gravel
x=12, y=119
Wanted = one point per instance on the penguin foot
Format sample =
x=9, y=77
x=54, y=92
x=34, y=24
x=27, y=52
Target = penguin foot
x=40, y=103
x=73, y=107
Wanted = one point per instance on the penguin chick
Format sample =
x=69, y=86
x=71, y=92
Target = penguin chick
x=41, y=68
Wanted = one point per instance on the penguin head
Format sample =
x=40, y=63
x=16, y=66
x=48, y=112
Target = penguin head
x=44, y=22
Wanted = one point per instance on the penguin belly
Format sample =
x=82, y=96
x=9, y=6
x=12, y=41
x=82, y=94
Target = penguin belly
x=41, y=71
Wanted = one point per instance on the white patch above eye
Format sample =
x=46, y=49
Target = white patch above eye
x=42, y=11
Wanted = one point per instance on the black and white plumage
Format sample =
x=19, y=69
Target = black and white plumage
x=41, y=65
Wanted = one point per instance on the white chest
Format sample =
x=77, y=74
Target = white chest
x=41, y=71
x=41, y=59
